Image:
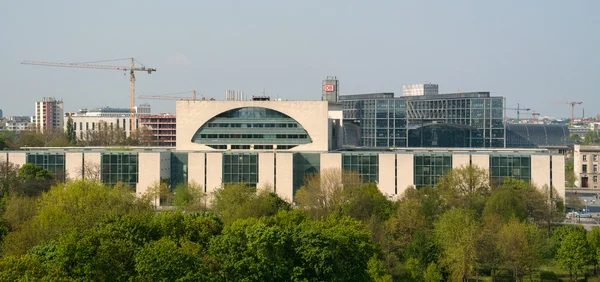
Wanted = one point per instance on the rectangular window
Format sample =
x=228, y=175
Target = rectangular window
x=584, y=168
x=595, y=179
x=54, y=162
x=595, y=168
x=584, y=158
x=595, y=158
x=428, y=168
x=240, y=168
x=119, y=167
x=510, y=166
x=365, y=165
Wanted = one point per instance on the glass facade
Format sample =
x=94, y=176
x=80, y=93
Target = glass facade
x=428, y=168
x=54, y=162
x=251, y=126
x=535, y=135
x=366, y=165
x=447, y=120
x=305, y=164
x=119, y=167
x=179, y=168
x=512, y=166
x=240, y=168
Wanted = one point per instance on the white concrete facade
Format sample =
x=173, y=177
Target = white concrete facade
x=395, y=170
x=586, y=159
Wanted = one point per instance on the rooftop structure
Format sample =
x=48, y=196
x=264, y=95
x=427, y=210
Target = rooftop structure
x=419, y=89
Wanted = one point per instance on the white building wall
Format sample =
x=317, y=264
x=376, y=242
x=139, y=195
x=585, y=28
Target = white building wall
x=387, y=174
x=558, y=174
x=331, y=161
x=149, y=171
x=540, y=170
x=285, y=176
x=312, y=115
x=406, y=168
x=196, y=167
x=74, y=165
x=266, y=170
x=461, y=160
x=480, y=160
x=214, y=171
x=18, y=158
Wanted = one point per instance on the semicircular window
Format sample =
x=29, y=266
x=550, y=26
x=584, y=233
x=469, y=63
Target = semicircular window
x=251, y=127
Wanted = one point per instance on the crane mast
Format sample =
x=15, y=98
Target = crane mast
x=132, y=69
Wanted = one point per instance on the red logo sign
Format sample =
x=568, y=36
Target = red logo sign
x=329, y=87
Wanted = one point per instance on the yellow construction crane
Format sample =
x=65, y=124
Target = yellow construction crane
x=572, y=108
x=93, y=65
x=167, y=97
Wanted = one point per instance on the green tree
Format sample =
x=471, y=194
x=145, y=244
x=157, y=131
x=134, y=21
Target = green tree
x=28, y=268
x=507, y=203
x=238, y=201
x=189, y=197
x=573, y=252
x=72, y=207
x=593, y=238
x=466, y=187
x=9, y=178
x=165, y=260
x=591, y=137
x=433, y=273
x=457, y=234
x=570, y=173
x=33, y=172
x=70, y=132
x=520, y=246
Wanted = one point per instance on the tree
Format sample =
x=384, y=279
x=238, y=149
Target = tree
x=70, y=133
x=238, y=201
x=90, y=171
x=9, y=178
x=593, y=238
x=591, y=137
x=457, y=234
x=31, y=171
x=433, y=274
x=573, y=253
x=159, y=194
x=71, y=207
x=507, y=203
x=465, y=187
x=519, y=244
x=323, y=193
x=189, y=197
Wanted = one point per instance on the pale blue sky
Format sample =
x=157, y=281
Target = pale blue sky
x=531, y=52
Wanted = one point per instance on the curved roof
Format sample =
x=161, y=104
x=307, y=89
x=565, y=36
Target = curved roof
x=251, y=126
x=535, y=135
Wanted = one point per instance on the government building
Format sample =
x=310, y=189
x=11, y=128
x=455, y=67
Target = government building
x=277, y=144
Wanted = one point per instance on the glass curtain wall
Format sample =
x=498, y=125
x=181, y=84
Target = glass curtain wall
x=366, y=165
x=428, y=168
x=305, y=164
x=120, y=167
x=240, y=168
x=54, y=162
x=512, y=166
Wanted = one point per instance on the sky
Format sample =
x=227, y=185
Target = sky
x=533, y=52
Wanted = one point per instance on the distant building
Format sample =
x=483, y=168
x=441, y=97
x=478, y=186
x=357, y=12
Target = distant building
x=331, y=91
x=14, y=125
x=162, y=128
x=1, y=114
x=48, y=114
x=585, y=163
x=419, y=89
x=114, y=118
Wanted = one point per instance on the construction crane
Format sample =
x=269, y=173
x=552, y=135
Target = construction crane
x=93, y=65
x=534, y=116
x=518, y=109
x=167, y=97
x=572, y=108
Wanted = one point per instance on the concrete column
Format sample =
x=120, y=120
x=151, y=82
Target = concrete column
x=387, y=174
x=481, y=160
x=331, y=160
x=558, y=174
x=540, y=170
x=149, y=171
x=266, y=170
x=460, y=160
x=406, y=171
x=285, y=176
x=74, y=165
x=196, y=169
x=17, y=158
x=214, y=171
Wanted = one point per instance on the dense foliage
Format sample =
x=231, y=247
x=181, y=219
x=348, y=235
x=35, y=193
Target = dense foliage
x=337, y=230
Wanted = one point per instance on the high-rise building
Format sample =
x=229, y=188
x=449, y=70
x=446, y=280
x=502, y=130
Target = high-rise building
x=48, y=114
x=162, y=128
x=380, y=120
x=330, y=89
x=419, y=89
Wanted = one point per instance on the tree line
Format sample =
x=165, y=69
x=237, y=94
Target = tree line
x=337, y=229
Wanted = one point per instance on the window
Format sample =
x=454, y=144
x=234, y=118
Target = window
x=595, y=168
x=595, y=158
x=428, y=168
x=120, y=167
x=595, y=179
x=366, y=165
x=584, y=158
x=54, y=162
x=305, y=164
x=240, y=168
x=584, y=168
x=511, y=166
